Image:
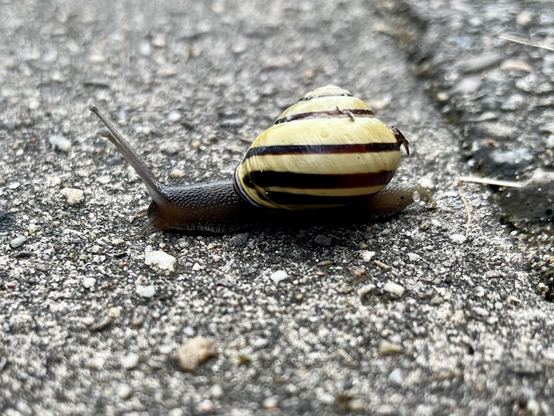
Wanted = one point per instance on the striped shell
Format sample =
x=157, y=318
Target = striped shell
x=326, y=150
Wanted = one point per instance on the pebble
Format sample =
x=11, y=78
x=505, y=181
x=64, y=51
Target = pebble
x=171, y=148
x=457, y=238
x=114, y=313
x=103, y=324
x=130, y=361
x=161, y=259
x=146, y=291
x=124, y=391
x=358, y=273
x=73, y=195
x=60, y=142
x=278, y=276
x=323, y=240
x=18, y=241
x=270, y=403
x=414, y=257
x=480, y=311
x=216, y=391
x=365, y=290
x=89, y=282
x=394, y=288
x=396, y=378
x=177, y=173
x=206, y=406
x=367, y=255
x=174, y=116
x=195, y=352
x=386, y=347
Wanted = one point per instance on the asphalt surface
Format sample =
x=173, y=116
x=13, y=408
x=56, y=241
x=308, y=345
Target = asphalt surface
x=433, y=312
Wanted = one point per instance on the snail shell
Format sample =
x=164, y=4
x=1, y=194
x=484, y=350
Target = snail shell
x=326, y=150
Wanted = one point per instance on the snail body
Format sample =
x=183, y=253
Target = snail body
x=326, y=156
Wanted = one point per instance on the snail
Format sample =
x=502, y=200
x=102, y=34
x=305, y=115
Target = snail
x=326, y=157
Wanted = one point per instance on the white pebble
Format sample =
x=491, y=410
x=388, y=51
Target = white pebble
x=60, y=142
x=114, y=313
x=480, y=311
x=216, y=391
x=146, y=291
x=269, y=403
x=74, y=196
x=89, y=282
x=458, y=238
x=177, y=173
x=130, y=361
x=174, y=116
x=124, y=391
x=394, y=288
x=278, y=276
x=367, y=255
x=396, y=377
x=414, y=256
x=196, y=267
x=18, y=241
x=161, y=259
x=206, y=406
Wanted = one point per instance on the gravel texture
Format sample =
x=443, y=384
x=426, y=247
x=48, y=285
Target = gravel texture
x=425, y=314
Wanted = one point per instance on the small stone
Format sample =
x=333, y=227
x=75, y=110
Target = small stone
x=103, y=324
x=457, y=238
x=513, y=65
x=159, y=41
x=195, y=352
x=161, y=259
x=270, y=403
x=480, y=311
x=176, y=412
x=87, y=320
x=60, y=142
x=171, y=148
x=177, y=173
x=396, y=378
x=146, y=291
x=278, y=276
x=394, y=288
x=524, y=18
x=166, y=349
x=114, y=313
x=365, y=290
x=130, y=361
x=196, y=267
x=323, y=240
x=367, y=255
x=216, y=391
x=18, y=241
x=174, y=116
x=356, y=405
x=414, y=257
x=89, y=282
x=144, y=48
x=386, y=348
x=124, y=391
x=358, y=273
x=73, y=196
x=206, y=406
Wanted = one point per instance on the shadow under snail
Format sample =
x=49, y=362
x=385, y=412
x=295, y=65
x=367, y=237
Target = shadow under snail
x=325, y=158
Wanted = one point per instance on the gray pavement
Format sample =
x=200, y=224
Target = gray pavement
x=430, y=313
